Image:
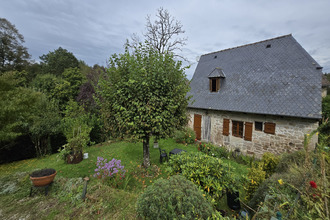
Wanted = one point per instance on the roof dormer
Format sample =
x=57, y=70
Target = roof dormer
x=215, y=78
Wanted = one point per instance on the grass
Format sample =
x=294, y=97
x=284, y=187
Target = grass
x=102, y=201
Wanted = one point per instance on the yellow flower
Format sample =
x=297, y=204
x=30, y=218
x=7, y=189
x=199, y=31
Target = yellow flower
x=307, y=135
x=280, y=181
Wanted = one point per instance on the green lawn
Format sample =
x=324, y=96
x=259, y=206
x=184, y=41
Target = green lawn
x=103, y=201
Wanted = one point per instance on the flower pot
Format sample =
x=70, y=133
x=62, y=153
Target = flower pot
x=42, y=180
x=233, y=200
x=74, y=158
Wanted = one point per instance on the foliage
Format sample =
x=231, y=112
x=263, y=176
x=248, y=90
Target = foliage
x=57, y=61
x=17, y=105
x=301, y=191
x=46, y=84
x=256, y=176
x=76, y=128
x=269, y=163
x=144, y=94
x=185, y=136
x=210, y=173
x=287, y=159
x=13, y=55
x=175, y=198
x=44, y=123
x=214, y=151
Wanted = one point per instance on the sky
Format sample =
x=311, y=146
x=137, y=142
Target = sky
x=93, y=30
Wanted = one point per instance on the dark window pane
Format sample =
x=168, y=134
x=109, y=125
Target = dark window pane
x=258, y=126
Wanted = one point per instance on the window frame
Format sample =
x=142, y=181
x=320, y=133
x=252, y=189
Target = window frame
x=217, y=84
x=237, y=128
x=261, y=124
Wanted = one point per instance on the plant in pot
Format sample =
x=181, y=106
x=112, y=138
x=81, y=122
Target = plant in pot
x=77, y=130
x=43, y=177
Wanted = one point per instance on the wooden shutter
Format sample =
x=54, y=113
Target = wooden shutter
x=269, y=128
x=210, y=85
x=198, y=126
x=225, y=128
x=248, y=131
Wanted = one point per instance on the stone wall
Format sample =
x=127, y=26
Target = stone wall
x=288, y=137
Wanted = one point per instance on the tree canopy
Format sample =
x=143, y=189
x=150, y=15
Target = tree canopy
x=13, y=55
x=143, y=95
x=57, y=61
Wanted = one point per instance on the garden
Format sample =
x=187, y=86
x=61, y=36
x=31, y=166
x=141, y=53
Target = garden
x=112, y=183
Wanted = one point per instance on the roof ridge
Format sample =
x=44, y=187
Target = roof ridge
x=249, y=44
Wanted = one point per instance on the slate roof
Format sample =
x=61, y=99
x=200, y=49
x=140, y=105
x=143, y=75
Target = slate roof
x=280, y=79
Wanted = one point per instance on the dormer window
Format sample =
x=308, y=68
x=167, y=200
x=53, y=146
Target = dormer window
x=215, y=79
x=214, y=84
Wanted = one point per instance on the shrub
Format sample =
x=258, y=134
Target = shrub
x=286, y=161
x=210, y=173
x=186, y=136
x=215, y=151
x=269, y=163
x=175, y=198
x=256, y=176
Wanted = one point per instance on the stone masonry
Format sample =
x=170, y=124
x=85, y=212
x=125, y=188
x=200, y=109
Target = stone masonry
x=288, y=137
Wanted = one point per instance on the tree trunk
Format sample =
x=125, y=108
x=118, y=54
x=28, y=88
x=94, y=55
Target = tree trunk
x=146, y=154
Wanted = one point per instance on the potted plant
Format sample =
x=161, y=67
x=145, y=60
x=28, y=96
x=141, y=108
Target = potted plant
x=76, y=128
x=42, y=177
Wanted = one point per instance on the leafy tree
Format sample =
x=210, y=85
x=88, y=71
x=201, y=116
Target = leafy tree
x=57, y=61
x=46, y=83
x=61, y=89
x=162, y=34
x=16, y=106
x=44, y=122
x=13, y=55
x=144, y=95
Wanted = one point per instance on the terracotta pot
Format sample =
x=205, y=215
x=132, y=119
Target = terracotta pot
x=44, y=180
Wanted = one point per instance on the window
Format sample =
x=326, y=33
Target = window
x=269, y=128
x=214, y=84
x=237, y=129
x=258, y=126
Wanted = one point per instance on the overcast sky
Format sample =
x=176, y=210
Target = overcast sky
x=94, y=30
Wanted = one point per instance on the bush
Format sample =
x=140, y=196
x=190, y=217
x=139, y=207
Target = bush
x=269, y=163
x=215, y=151
x=210, y=173
x=286, y=161
x=256, y=176
x=175, y=198
x=186, y=136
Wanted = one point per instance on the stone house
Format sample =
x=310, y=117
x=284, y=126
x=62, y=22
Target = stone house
x=260, y=97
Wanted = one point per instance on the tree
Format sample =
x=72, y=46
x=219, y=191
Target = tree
x=161, y=33
x=143, y=95
x=44, y=122
x=16, y=106
x=13, y=55
x=59, y=60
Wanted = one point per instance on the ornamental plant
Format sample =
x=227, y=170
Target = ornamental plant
x=185, y=136
x=211, y=174
x=173, y=198
x=108, y=169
